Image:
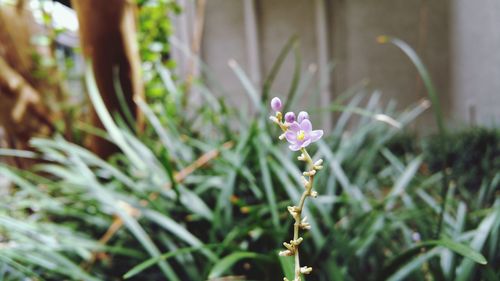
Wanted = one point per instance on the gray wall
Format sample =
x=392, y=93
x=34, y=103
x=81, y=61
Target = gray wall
x=422, y=24
x=458, y=40
x=476, y=62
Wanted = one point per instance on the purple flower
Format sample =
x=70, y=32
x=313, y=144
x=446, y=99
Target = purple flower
x=276, y=104
x=301, y=135
x=290, y=117
x=302, y=116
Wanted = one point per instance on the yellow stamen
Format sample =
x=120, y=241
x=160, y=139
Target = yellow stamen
x=301, y=135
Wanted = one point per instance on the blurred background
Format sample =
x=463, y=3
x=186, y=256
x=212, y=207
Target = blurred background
x=457, y=41
x=134, y=144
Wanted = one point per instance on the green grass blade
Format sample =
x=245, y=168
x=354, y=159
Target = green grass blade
x=268, y=186
x=266, y=88
x=248, y=85
x=292, y=92
x=397, y=263
x=227, y=262
x=466, y=268
x=287, y=264
x=152, y=261
x=108, y=122
x=178, y=230
x=402, y=182
x=424, y=74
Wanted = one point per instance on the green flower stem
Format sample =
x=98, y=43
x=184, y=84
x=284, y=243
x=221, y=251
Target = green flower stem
x=298, y=216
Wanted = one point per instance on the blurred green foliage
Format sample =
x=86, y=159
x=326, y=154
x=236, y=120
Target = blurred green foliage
x=473, y=156
x=155, y=29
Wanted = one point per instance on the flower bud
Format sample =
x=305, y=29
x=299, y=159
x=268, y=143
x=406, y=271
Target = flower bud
x=302, y=157
x=309, y=173
x=305, y=270
x=276, y=104
x=297, y=241
x=289, y=246
x=286, y=253
x=318, y=168
x=302, y=116
x=279, y=115
x=290, y=117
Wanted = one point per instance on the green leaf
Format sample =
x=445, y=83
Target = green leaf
x=463, y=250
x=152, y=261
x=296, y=77
x=178, y=230
x=228, y=261
x=276, y=67
x=247, y=84
x=395, y=264
x=106, y=119
x=403, y=182
x=268, y=186
x=107, y=198
x=426, y=78
x=466, y=268
x=287, y=264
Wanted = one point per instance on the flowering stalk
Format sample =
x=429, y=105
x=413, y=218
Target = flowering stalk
x=299, y=134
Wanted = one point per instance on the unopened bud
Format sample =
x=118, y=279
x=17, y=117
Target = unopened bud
x=305, y=270
x=289, y=246
x=279, y=115
x=297, y=241
x=293, y=210
x=285, y=253
x=317, y=167
x=290, y=117
x=276, y=104
x=305, y=226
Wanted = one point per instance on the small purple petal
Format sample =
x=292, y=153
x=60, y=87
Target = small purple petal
x=316, y=135
x=290, y=117
x=294, y=147
x=306, y=125
x=294, y=127
x=276, y=104
x=291, y=137
x=302, y=116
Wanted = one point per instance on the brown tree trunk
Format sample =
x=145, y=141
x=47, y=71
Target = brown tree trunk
x=23, y=111
x=109, y=40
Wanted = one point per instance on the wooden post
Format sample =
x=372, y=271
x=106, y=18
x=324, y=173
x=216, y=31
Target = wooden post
x=108, y=37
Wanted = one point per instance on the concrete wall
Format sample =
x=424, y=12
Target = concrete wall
x=226, y=37
x=476, y=62
x=223, y=40
x=422, y=24
x=347, y=29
